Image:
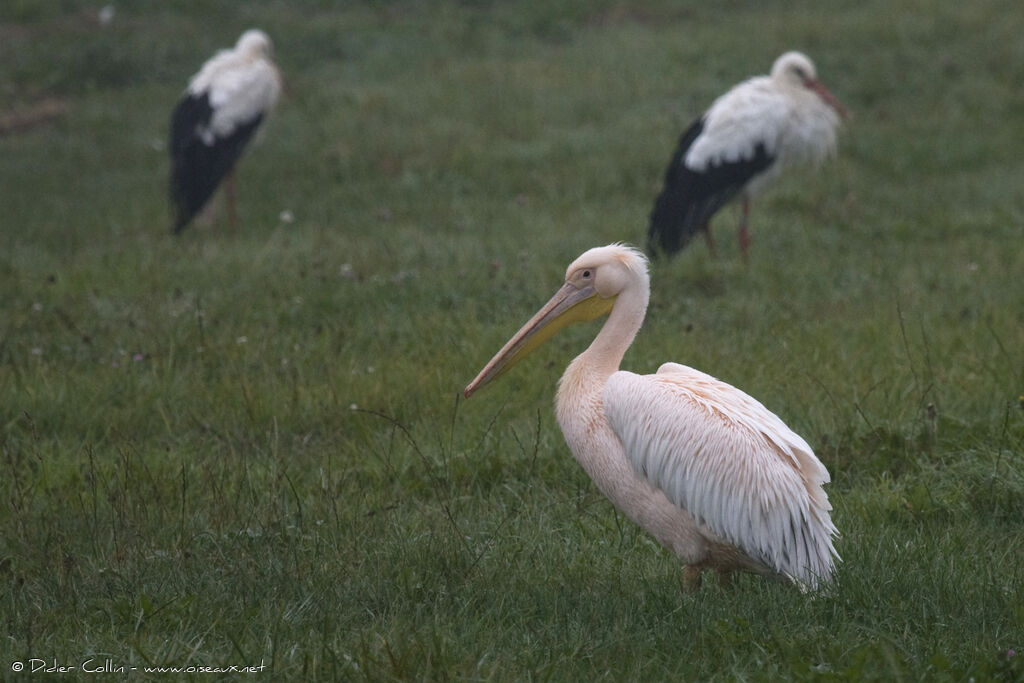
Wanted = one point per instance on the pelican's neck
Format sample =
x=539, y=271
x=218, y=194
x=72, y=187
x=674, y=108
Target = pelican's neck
x=605, y=353
x=580, y=399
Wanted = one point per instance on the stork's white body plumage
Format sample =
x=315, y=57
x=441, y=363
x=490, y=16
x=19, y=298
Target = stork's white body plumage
x=223, y=106
x=745, y=140
x=711, y=473
x=242, y=84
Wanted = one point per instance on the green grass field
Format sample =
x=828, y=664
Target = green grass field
x=243, y=449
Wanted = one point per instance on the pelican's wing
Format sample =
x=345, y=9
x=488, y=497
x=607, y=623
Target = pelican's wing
x=725, y=458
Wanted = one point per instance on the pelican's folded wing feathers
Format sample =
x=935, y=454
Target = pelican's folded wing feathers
x=729, y=461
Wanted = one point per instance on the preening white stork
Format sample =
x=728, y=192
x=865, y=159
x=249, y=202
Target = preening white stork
x=222, y=107
x=707, y=470
x=743, y=142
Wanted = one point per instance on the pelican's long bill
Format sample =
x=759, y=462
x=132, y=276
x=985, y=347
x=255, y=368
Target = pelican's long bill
x=569, y=305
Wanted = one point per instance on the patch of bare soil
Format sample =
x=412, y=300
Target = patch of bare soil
x=31, y=115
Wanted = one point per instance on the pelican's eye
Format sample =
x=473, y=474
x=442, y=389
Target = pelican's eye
x=586, y=274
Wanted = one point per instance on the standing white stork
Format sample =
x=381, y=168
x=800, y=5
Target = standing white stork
x=222, y=107
x=743, y=142
x=707, y=470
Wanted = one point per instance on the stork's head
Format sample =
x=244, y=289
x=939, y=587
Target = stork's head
x=254, y=42
x=796, y=70
x=593, y=283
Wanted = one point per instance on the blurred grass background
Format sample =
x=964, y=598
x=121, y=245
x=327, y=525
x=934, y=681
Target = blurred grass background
x=243, y=448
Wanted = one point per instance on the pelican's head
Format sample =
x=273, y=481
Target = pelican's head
x=593, y=283
x=796, y=70
x=612, y=268
x=254, y=42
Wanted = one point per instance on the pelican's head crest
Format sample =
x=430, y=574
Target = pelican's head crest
x=618, y=264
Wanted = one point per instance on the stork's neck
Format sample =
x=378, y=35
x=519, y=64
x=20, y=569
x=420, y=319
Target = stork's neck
x=605, y=353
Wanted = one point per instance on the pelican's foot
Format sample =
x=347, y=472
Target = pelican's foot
x=691, y=578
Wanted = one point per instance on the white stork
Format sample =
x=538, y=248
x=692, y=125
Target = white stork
x=222, y=107
x=743, y=142
x=707, y=470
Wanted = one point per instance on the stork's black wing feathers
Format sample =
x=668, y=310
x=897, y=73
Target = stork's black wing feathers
x=690, y=198
x=197, y=169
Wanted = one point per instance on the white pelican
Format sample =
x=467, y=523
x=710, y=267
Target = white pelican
x=743, y=142
x=222, y=107
x=707, y=470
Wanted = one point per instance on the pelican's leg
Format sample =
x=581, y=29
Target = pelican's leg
x=229, y=196
x=691, y=577
x=744, y=234
x=725, y=578
x=707, y=237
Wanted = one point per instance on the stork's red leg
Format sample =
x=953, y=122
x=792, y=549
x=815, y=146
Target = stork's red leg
x=229, y=196
x=744, y=234
x=707, y=238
